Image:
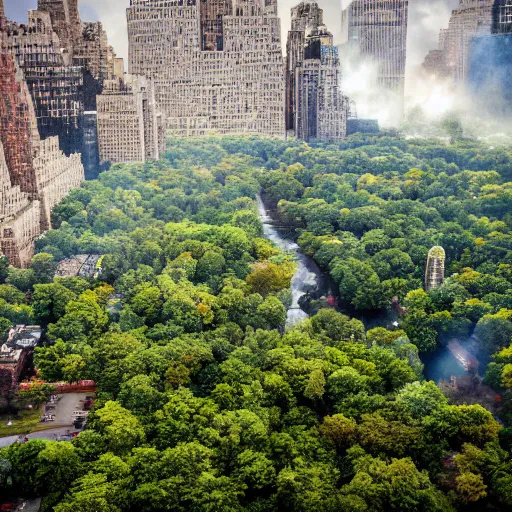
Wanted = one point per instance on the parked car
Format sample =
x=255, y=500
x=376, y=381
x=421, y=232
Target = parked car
x=79, y=423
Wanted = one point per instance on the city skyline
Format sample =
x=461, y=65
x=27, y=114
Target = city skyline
x=426, y=17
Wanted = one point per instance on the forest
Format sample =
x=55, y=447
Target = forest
x=205, y=402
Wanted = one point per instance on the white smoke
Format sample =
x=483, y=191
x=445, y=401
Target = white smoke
x=360, y=83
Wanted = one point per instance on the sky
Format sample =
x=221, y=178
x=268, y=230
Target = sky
x=426, y=17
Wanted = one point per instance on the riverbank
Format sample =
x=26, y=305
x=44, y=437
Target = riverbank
x=440, y=364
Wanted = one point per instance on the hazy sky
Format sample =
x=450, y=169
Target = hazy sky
x=425, y=19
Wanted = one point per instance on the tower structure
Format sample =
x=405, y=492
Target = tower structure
x=34, y=174
x=434, y=271
x=56, y=88
x=65, y=63
x=217, y=65
x=315, y=107
x=65, y=20
x=129, y=124
x=378, y=30
x=472, y=18
x=93, y=52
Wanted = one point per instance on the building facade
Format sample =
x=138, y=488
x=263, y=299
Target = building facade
x=217, y=65
x=315, y=108
x=472, y=18
x=378, y=30
x=56, y=88
x=34, y=174
x=93, y=53
x=502, y=17
x=490, y=64
x=130, y=126
x=65, y=63
x=65, y=19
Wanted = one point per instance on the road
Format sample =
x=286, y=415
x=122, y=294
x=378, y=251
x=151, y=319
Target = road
x=63, y=423
x=48, y=435
x=65, y=406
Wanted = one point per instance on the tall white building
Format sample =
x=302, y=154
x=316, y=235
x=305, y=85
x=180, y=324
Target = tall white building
x=217, y=65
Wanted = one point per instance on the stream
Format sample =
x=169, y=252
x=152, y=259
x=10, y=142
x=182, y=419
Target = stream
x=440, y=364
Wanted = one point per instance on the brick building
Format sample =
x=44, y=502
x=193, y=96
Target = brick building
x=315, y=107
x=34, y=174
x=217, y=65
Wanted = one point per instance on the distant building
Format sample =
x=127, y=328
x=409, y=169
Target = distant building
x=316, y=110
x=435, y=64
x=434, y=271
x=81, y=265
x=130, y=126
x=93, y=52
x=355, y=125
x=217, y=65
x=14, y=355
x=65, y=20
x=502, y=17
x=472, y=18
x=377, y=29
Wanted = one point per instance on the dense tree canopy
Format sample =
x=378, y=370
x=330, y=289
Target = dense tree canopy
x=205, y=401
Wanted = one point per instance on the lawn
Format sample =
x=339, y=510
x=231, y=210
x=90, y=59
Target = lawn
x=24, y=422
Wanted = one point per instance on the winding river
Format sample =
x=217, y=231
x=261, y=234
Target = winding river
x=440, y=364
x=308, y=276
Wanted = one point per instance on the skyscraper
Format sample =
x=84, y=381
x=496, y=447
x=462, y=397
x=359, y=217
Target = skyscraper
x=378, y=30
x=489, y=75
x=34, y=174
x=217, y=65
x=472, y=18
x=56, y=88
x=65, y=20
x=129, y=123
x=315, y=107
x=502, y=17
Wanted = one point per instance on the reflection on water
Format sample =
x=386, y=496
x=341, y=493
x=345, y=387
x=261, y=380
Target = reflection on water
x=441, y=364
x=308, y=276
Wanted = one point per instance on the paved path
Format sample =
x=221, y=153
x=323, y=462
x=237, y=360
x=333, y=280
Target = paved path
x=7, y=441
x=68, y=403
x=48, y=435
x=63, y=423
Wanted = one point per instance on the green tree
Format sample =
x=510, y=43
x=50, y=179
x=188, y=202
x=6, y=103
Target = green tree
x=119, y=427
x=44, y=267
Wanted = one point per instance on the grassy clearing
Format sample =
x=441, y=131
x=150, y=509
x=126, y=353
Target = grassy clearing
x=24, y=422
